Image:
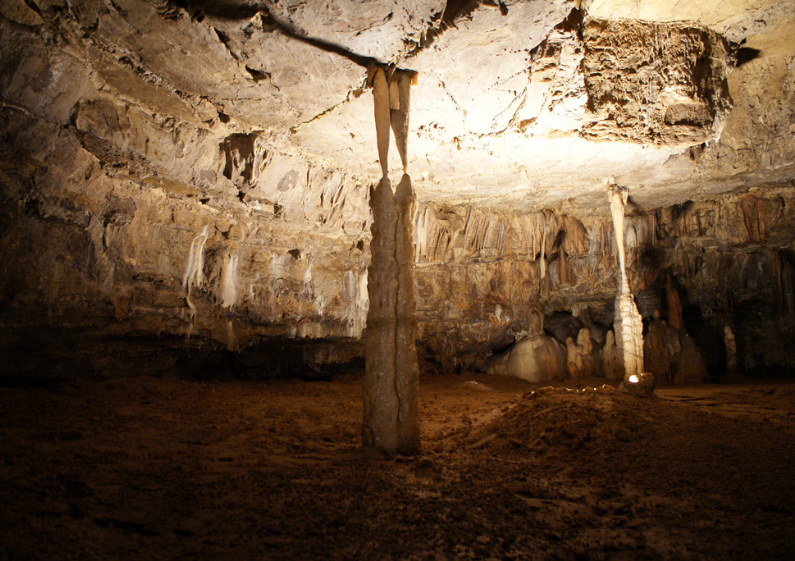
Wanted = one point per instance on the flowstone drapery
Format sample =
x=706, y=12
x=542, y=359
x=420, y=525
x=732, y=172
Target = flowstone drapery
x=628, y=323
x=391, y=371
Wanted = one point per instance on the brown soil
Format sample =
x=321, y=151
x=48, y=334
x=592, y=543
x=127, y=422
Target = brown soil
x=155, y=468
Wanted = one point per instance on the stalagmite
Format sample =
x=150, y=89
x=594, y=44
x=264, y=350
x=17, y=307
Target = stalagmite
x=628, y=323
x=579, y=355
x=391, y=370
x=406, y=367
x=609, y=355
x=381, y=404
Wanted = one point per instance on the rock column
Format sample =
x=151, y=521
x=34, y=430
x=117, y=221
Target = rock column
x=391, y=372
x=627, y=322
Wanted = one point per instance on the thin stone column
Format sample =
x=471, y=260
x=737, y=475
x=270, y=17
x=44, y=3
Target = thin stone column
x=627, y=323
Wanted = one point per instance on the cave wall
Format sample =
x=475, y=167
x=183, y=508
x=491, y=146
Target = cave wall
x=479, y=273
x=145, y=225
x=240, y=247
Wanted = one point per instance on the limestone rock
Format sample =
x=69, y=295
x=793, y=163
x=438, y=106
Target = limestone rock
x=648, y=103
x=731, y=351
x=536, y=358
x=382, y=118
x=581, y=359
x=130, y=128
x=628, y=324
x=563, y=326
x=391, y=371
x=400, y=116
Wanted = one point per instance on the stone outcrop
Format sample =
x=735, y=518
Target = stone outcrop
x=655, y=82
x=581, y=359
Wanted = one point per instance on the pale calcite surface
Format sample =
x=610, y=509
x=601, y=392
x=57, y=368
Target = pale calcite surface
x=628, y=324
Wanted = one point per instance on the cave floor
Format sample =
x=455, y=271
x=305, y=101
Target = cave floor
x=155, y=468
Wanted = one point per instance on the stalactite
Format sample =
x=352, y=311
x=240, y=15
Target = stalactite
x=401, y=83
x=594, y=248
x=382, y=118
x=542, y=266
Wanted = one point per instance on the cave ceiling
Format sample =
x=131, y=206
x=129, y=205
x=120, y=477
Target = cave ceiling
x=517, y=104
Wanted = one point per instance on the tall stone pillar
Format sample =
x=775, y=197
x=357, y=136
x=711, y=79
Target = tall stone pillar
x=627, y=322
x=390, y=420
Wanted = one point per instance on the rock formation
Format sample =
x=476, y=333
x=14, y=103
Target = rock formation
x=391, y=370
x=580, y=357
x=731, y=351
x=674, y=303
x=672, y=356
x=628, y=324
x=535, y=357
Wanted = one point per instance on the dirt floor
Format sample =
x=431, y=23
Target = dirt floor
x=160, y=468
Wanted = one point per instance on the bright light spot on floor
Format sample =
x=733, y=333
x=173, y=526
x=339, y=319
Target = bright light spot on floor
x=633, y=379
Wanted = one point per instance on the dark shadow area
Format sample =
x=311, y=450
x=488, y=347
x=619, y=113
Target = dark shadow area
x=746, y=55
x=47, y=357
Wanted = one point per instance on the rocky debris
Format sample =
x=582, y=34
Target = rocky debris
x=476, y=386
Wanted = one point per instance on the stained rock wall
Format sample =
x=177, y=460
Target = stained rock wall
x=479, y=273
x=209, y=239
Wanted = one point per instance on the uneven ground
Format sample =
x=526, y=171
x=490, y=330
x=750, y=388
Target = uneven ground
x=164, y=468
